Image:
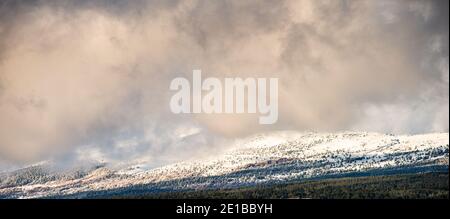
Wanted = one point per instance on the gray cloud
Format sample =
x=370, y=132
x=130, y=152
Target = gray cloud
x=89, y=79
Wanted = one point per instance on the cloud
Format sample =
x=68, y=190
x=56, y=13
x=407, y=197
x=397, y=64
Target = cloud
x=80, y=76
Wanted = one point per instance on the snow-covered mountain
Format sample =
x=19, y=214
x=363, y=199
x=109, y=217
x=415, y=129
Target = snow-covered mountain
x=277, y=157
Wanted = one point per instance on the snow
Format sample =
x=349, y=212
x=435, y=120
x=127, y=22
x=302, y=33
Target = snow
x=263, y=158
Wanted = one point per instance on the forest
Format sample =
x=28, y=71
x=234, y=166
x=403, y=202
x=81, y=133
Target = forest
x=402, y=186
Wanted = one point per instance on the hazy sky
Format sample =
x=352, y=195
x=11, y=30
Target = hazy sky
x=82, y=80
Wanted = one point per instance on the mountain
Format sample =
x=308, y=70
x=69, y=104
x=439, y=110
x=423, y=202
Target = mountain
x=264, y=159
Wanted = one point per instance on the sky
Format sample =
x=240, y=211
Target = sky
x=89, y=80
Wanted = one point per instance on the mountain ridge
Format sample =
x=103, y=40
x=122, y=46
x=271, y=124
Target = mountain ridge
x=261, y=159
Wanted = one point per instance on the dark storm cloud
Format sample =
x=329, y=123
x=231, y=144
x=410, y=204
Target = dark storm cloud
x=89, y=79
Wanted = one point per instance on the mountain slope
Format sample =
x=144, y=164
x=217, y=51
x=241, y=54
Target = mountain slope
x=262, y=159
